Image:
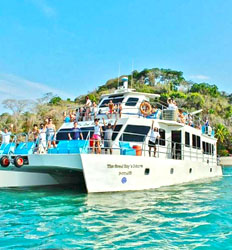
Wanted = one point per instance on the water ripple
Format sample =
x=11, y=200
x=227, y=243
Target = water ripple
x=194, y=216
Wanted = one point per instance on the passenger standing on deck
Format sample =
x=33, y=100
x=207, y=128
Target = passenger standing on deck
x=94, y=110
x=88, y=105
x=111, y=109
x=51, y=133
x=6, y=135
x=119, y=109
x=108, y=136
x=76, y=133
x=153, y=140
x=35, y=133
x=97, y=136
x=42, y=139
x=66, y=118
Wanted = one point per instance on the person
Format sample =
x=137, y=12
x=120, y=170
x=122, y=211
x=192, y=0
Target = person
x=181, y=117
x=153, y=140
x=51, y=133
x=72, y=115
x=35, y=133
x=94, y=110
x=6, y=135
x=111, y=109
x=76, y=132
x=108, y=136
x=42, y=139
x=97, y=136
x=87, y=106
x=206, y=125
x=66, y=118
x=171, y=104
x=80, y=113
x=119, y=109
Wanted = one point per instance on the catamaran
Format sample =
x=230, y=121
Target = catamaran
x=183, y=153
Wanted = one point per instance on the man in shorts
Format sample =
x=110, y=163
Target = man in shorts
x=108, y=136
x=153, y=140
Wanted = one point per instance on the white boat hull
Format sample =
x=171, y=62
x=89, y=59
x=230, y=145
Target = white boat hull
x=106, y=173
x=43, y=170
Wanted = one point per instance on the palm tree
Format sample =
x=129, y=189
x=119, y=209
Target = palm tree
x=221, y=132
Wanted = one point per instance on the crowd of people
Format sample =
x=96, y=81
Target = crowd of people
x=44, y=135
x=90, y=110
x=182, y=116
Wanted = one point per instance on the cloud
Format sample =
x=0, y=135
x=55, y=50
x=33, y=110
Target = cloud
x=15, y=87
x=43, y=6
x=199, y=77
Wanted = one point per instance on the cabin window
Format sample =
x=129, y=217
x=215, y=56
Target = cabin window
x=85, y=132
x=204, y=147
x=62, y=134
x=116, y=131
x=194, y=141
x=132, y=101
x=212, y=149
x=135, y=133
x=187, y=139
x=207, y=148
x=198, y=142
x=115, y=101
x=162, y=137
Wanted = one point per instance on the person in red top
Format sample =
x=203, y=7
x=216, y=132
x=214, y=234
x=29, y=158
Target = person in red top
x=111, y=109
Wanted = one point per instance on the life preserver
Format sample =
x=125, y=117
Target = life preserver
x=5, y=161
x=18, y=161
x=145, y=108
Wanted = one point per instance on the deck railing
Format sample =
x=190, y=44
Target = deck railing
x=165, y=149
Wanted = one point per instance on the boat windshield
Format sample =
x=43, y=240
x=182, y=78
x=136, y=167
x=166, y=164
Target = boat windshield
x=115, y=101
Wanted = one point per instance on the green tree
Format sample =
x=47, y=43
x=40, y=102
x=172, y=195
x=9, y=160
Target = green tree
x=55, y=100
x=221, y=132
x=195, y=100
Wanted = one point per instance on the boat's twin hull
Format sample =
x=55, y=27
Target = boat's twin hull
x=106, y=173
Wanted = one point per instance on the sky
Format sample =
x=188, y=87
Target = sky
x=70, y=47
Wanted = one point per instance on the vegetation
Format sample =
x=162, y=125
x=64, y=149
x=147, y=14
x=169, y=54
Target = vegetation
x=190, y=96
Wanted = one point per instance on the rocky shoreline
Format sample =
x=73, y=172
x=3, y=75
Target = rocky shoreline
x=226, y=161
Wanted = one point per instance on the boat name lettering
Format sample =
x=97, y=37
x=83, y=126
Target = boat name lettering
x=127, y=166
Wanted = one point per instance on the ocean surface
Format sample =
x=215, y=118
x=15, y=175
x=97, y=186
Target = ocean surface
x=192, y=216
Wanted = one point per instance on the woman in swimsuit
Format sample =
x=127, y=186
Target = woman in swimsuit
x=51, y=133
x=97, y=136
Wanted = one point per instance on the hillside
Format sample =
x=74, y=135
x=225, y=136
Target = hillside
x=190, y=96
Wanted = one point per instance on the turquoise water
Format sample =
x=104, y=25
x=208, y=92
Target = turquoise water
x=195, y=216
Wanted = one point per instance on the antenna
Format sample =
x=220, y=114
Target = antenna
x=132, y=69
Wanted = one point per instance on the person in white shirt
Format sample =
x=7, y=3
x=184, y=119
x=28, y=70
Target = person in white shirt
x=42, y=139
x=153, y=140
x=6, y=135
x=88, y=105
x=172, y=104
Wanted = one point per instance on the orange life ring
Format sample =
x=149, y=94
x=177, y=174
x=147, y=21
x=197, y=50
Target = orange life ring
x=145, y=108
